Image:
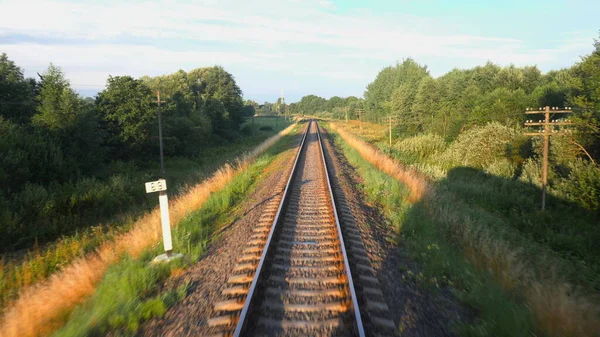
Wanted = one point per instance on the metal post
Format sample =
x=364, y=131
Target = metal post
x=163, y=200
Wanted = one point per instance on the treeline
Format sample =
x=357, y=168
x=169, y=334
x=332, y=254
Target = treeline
x=65, y=160
x=266, y=109
x=466, y=110
x=335, y=106
x=465, y=97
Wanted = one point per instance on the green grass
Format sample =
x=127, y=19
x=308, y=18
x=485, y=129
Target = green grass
x=40, y=261
x=442, y=263
x=511, y=207
x=130, y=293
x=543, y=261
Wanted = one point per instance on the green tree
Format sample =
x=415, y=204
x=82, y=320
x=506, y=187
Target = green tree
x=220, y=96
x=312, y=104
x=59, y=106
x=128, y=114
x=250, y=107
x=427, y=103
x=16, y=93
x=586, y=96
x=379, y=93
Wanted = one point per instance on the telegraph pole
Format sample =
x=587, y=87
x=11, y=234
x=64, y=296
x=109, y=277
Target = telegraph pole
x=160, y=186
x=546, y=132
x=390, y=130
x=160, y=138
x=282, y=104
x=360, y=114
x=346, y=114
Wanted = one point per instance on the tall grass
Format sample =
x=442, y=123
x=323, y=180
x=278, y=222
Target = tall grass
x=42, y=308
x=556, y=307
x=129, y=292
x=415, y=181
x=92, y=211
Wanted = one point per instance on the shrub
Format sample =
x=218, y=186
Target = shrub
x=502, y=168
x=480, y=147
x=583, y=184
x=531, y=172
x=421, y=147
x=266, y=128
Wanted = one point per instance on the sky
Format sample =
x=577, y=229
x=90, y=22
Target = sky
x=322, y=47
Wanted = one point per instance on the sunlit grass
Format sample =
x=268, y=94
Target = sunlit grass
x=40, y=262
x=41, y=308
x=524, y=271
x=129, y=292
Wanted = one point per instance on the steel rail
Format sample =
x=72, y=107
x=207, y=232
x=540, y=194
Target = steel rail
x=247, y=302
x=357, y=316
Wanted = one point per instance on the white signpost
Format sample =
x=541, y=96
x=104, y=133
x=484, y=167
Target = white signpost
x=161, y=187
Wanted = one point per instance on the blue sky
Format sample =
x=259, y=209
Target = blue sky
x=323, y=47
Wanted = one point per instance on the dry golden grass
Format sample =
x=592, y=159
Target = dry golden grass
x=558, y=310
x=416, y=182
x=41, y=308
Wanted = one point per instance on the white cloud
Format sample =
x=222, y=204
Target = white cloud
x=292, y=37
x=327, y=4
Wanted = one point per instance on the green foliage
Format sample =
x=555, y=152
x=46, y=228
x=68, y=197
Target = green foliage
x=59, y=107
x=442, y=263
x=56, y=150
x=582, y=185
x=586, y=95
x=380, y=91
x=62, y=208
x=421, y=147
x=128, y=114
x=479, y=147
x=130, y=293
x=31, y=156
x=16, y=93
x=490, y=170
x=126, y=296
x=126, y=183
x=335, y=107
x=462, y=98
x=311, y=105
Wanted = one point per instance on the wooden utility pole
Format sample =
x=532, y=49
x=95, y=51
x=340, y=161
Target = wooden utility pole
x=160, y=138
x=360, y=115
x=546, y=132
x=346, y=109
x=390, y=130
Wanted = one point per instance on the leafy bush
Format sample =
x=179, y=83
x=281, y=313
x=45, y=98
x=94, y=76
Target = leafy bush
x=583, y=184
x=480, y=147
x=421, y=147
x=43, y=213
x=531, y=172
x=502, y=168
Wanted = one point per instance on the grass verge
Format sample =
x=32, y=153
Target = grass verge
x=129, y=293
x=38, y=263
x=42, y=308
x=465, y=246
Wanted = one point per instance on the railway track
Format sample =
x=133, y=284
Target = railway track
x=294, y=278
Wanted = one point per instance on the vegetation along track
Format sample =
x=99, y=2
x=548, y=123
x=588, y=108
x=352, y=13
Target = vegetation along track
x=295, y=277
